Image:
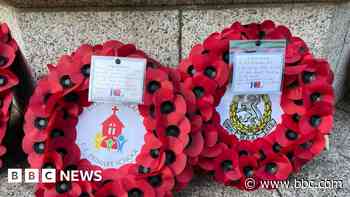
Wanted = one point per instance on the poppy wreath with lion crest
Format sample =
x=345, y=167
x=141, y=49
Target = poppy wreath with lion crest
x=306, y=102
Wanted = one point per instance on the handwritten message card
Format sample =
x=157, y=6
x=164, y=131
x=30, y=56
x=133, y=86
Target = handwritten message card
x=116, y=79
x=257, y=69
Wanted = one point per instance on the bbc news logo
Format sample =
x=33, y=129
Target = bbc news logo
x=31, y=175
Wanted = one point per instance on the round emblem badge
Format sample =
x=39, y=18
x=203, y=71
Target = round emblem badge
x=106, y=134
x=249, y=117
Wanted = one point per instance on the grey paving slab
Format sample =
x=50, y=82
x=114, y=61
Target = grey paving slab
x=202, y=186
x=341, y=127
x=333, y=55
x=14, y=189
x=329, y=167
x=205, y=186
x=340, y=85
x=344, y=61
x=344, y=104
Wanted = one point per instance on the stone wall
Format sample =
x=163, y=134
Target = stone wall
x=122, y=3
x=337, y=47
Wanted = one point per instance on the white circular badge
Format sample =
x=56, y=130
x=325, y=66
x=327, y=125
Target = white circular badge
x=249, y=117
x=110, y=135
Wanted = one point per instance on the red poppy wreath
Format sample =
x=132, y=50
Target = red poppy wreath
x=306, y=107
x=8, y=53
x=57, y=122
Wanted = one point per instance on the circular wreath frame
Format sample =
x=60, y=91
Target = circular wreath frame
x=307, y=104
x=8, y=80
x=60, y=97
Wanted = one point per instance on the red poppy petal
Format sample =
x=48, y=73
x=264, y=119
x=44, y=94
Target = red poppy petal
x=176, y=144
x=186, y=68
x=2, y=150
x=289, y=107
x=206, y=164
x=130, y=183
x=213, y=151
x=179, y=165
x=115, y=44
x=197, y=58
x=185, y=176
x=196, y=146
x=222, y=75
x=156, y=74
x=7, y=55
x=163, y=95
x=82, y=51
x=211, y=138
x=209, y=85
x=8, y=79
x=233, y=174
x=126, y=50
x=294, y=93
x=114, y=188
x=294, y=70
x=180, y=104
x=207, y=113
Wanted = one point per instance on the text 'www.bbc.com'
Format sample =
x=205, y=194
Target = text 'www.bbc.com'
x=251, y=183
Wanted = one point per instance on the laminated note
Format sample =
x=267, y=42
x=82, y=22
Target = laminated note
x=116, y=79
x=257, y=66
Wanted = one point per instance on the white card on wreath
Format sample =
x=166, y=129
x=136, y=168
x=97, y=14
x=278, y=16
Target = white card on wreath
x=257, y=69
x=116, y=79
